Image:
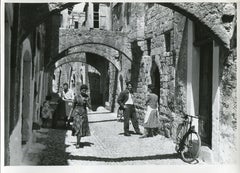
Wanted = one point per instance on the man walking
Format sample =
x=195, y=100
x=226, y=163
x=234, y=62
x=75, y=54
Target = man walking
x=126, y=102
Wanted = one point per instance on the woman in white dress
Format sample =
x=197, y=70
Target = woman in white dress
x=151, y=120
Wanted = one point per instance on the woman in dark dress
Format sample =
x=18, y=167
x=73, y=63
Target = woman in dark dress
x=80, y=126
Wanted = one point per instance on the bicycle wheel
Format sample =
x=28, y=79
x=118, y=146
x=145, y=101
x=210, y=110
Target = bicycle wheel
x=191, y=147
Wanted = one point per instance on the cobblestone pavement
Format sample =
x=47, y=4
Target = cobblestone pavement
x=106, y=146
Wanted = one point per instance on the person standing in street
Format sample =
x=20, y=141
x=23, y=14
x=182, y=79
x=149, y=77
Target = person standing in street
x=80, y=127
x=46, y=112
x=67, y=98
x=126, y=102
x=67, y=94
x=151, y=120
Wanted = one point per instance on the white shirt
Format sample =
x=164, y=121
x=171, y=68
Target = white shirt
x=130, y=100
x=68, y=95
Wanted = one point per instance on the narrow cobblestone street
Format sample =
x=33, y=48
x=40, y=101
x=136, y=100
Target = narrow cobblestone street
x=106, y=146
x=170, y=66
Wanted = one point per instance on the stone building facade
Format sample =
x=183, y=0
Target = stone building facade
x=26, y=80
x=177, y=55
x=95, y=58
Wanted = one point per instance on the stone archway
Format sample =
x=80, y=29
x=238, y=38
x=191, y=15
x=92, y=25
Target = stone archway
x=216, y=17
x=108, y=44
x=98, y=82
x=69, y=38
x=71, y=55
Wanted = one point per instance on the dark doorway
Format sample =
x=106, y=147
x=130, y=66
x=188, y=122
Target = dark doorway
x=205, y=93
x=95, y=93
x=155, y=76
x=137, y=54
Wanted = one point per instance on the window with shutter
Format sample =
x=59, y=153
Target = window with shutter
x=96, y=15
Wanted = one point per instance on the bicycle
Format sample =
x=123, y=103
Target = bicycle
x=188, y=141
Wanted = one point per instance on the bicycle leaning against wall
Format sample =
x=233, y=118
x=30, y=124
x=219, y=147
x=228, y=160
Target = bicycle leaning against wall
x=188, y=141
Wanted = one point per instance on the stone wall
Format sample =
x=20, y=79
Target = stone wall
x=157, y=25
x=27, y=62
x=73, y=37
x=148, y=30
x=171, y=62
x=52, y=38
x=180, y=51
x=141, y=89
x=228, y=104
x=218, y=17
x=113, y=88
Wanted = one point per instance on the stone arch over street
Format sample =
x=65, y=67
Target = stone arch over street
x=105, y=52
x=98, y=82
x=212, y=18
x=69, y=38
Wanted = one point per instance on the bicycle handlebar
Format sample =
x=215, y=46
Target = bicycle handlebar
x=192, y=116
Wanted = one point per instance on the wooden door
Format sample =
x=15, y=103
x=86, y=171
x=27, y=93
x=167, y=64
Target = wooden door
x=205, y=93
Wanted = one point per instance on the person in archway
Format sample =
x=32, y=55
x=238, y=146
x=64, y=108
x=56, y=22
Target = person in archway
x=80, y=127
x=151, y=120
x=67, y=94
x=126, y=102
x=67, y=98
x=46, y=112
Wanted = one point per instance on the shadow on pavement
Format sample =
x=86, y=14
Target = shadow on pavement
x=84, y=144
x=101, y=121
x=131, y=132
x=87, y=144
x=124, y=159
x=55, y=151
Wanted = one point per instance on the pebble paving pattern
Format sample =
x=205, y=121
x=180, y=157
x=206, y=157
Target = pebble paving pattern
x=106, y=146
